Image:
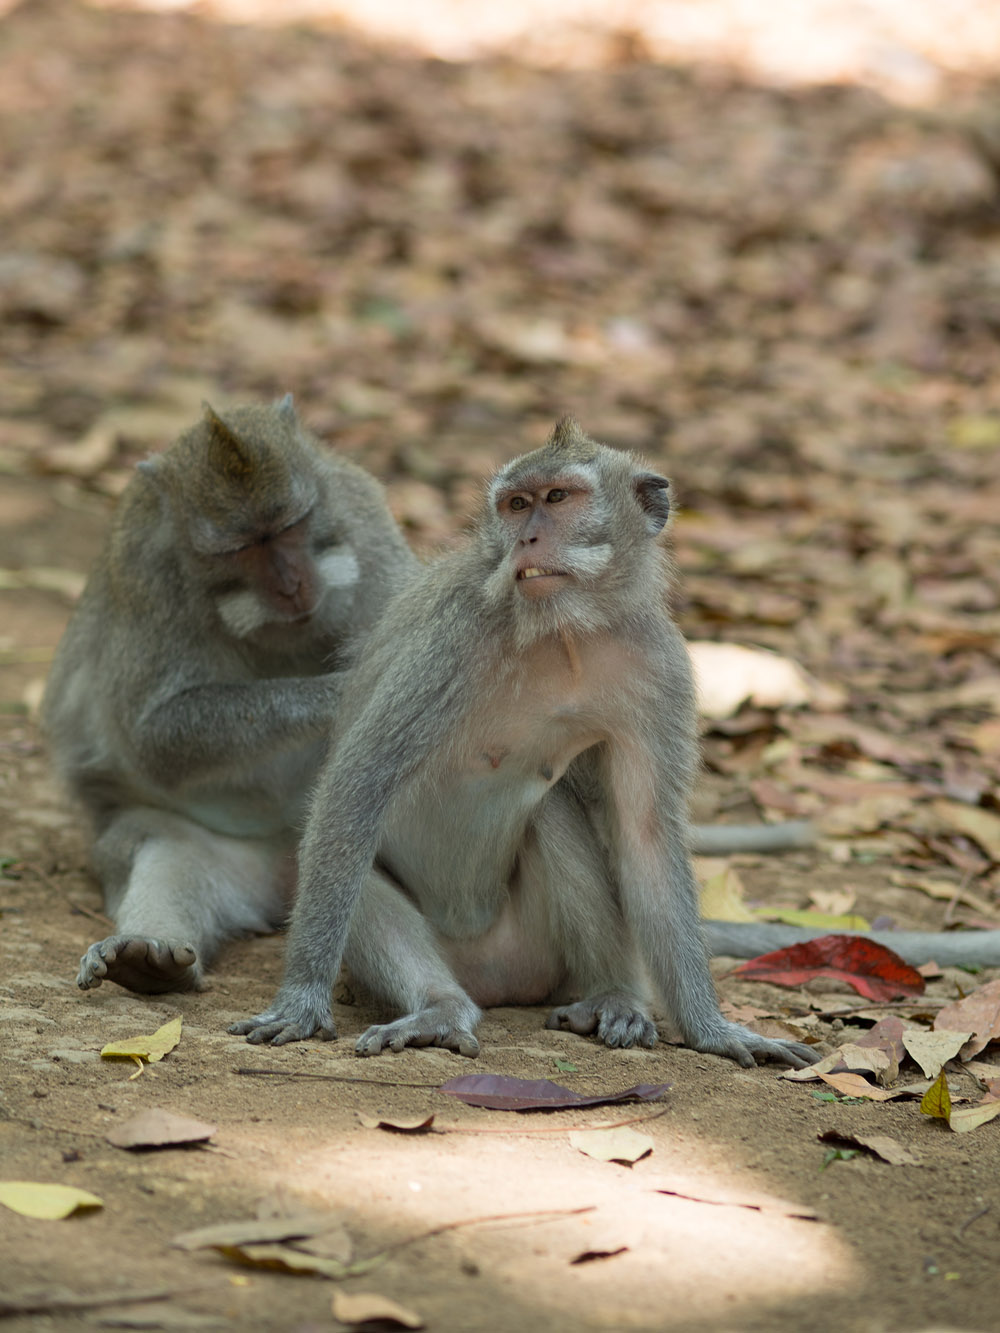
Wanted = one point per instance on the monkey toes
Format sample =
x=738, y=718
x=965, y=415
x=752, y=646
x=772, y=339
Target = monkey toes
x=140, y=964
x=747, y=1048
x=614, y=1019
x=435, y=1026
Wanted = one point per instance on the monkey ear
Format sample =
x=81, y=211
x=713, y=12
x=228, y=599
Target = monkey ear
x=651, y=492
x=286, y=410
x=226, y=452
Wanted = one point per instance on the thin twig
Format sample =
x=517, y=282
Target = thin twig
x=973, y=1217
x=50, y=883
x=544, y=1129
x=331, y=1078
x=543, y=1214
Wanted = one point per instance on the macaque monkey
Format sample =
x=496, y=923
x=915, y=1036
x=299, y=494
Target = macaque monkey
x=190, y=700
x=503, y=818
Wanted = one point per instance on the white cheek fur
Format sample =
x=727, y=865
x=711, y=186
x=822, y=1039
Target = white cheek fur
x=244, y=613
x=338, y=568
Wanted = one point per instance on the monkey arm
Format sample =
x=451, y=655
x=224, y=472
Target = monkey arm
x=411, y=699
x=202, y=730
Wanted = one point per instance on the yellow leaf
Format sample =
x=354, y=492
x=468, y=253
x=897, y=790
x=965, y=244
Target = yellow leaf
x=813, y=920
x=46, y=1201
x=936, y=1100
x=152, y=1047
x=722, y=898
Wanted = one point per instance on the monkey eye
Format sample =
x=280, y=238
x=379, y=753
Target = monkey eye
x=518, y=502
x=555, y=496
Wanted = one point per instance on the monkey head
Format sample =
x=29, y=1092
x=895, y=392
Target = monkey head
x=571, y=524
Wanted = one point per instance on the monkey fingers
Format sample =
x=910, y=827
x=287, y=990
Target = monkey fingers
x=616, y=1019
x=141, y=964
x=437, y=1025
x=294, y=1017
x=747, y=1048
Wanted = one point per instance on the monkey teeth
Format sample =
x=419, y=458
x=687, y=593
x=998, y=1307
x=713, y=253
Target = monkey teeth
x=533, y=572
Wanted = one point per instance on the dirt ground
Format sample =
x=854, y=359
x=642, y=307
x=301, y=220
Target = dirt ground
x=788, y=300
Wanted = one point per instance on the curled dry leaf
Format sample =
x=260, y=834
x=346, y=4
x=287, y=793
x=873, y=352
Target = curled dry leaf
x=965, y=1118
x=157, y=1128
x=589, y=1256
x=728, y=675
x=623, y=1144
x=856, y=1085
x=539, y=1094
x=400, y=1124
x=365, y=1307
x=50, y=1202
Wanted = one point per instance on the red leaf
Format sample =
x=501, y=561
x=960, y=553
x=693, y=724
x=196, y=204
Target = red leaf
x=526, y=1094
x=873, y=970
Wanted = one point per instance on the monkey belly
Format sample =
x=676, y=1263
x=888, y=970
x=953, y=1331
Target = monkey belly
x=508, y=964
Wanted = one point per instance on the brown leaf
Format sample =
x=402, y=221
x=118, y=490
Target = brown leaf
x=157, y=1128
x=879, y=1145
x=415, y=1124
x=503, y=1093
x=978, y=1013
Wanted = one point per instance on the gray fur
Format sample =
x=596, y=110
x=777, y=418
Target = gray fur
x=185, y=710
x=503, y=818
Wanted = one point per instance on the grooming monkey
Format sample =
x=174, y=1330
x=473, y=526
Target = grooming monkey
x=503, y=817
x=190, y=699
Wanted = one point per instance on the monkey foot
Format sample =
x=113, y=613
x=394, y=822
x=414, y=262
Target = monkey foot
x=141, y=964
x=299, y=1013
x=448, y=1025
x=747, y=1048
x=615, y=1019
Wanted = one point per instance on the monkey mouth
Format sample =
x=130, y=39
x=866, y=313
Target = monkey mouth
x=533, y=572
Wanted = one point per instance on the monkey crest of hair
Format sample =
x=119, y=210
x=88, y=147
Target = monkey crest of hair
x=503, y=817
x=190, y=699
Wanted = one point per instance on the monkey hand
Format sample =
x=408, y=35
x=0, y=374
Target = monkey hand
x=747, y=1048
x=298, y=1014
x=140, y=963
x=616, y=1019
x=448, y=1023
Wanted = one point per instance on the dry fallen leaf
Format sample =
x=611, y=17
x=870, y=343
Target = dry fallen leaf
x=504, y=1093
x=364, y=1307
x=980, y=825
x=253, y=1231
x=855, y=1085
x=933, y=1050
x=966, y=1118
x=32, y=1199
x=722, y=897
x=936, y=1101
x=623, y=1144
x=157, y=1128
x=400, y=1124
x=151, y=1047
x=978, y=1013
x=880, y=1145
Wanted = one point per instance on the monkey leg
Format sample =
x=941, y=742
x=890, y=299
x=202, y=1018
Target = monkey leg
x=564, y=867
x=393, y=954
x=176, y=891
